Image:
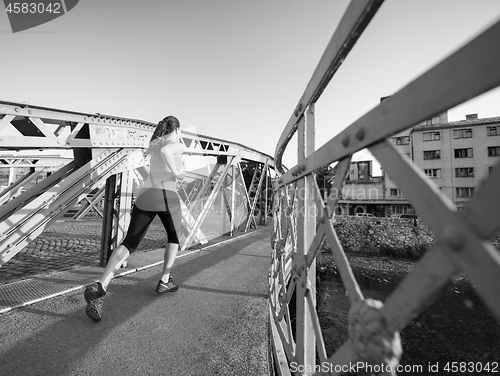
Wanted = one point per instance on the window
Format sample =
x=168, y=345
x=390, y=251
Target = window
x=432, y=154
x=463, y=153
x=434, y=120
x=395, y=192
x=433, y=173
x=462, y=133
x=465, y=191
x=492, y=131
x=398, y=209
x=402, y=140
x=493, y=151
x=431, y=136
x=464, y=172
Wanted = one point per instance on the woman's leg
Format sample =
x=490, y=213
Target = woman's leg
x=139, y=223
x=119, y=256
x=168, y=260
x=171, y=220
x=94, y=294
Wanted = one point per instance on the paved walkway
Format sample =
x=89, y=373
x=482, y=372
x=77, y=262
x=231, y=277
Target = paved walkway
x=216, y=324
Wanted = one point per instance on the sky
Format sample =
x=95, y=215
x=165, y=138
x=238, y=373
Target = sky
x=233, y=69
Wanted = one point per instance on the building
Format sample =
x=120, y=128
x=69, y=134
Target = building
x=455, y=155
x=364, y=193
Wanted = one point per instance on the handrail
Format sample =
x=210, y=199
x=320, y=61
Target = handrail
x=357, y=16
x=303, y=221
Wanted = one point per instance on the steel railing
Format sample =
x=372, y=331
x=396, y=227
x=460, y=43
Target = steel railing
x=302, y=221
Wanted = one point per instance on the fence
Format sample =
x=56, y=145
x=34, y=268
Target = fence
x=462, y=244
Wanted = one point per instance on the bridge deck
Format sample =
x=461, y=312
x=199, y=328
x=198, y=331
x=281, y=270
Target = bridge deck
x=217, y=323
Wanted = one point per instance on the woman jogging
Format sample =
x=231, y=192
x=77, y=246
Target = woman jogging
x=158, y=196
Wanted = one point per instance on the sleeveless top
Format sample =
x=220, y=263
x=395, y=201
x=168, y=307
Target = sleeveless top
x=159, y=192
x=160, y=175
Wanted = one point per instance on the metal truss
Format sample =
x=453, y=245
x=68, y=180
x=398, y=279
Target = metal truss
x=30, y=127
x=303, y=221
x=107, y=151
x=255, y=195
x=26, y=216
x=11, y=160
x=91, y=202
x=206, y=205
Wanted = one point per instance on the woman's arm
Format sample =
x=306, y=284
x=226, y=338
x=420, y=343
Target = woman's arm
x=168, y=152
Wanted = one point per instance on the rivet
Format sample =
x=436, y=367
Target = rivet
x=30, y=112
x=280, y=180
x=360, y=134
x=298, y=110
x=454, y=238
x=17, y=109
x=345, y=141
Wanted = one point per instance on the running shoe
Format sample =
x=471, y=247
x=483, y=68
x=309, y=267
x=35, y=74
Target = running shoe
x=169, y=286
x=94, y=295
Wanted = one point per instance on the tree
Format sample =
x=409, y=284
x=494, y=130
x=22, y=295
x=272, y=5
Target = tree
x=324, y=178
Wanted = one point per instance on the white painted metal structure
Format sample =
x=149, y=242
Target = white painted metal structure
x=108, y=149
x=463, y=244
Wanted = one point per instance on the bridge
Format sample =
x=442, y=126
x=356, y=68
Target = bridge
x=107, y=152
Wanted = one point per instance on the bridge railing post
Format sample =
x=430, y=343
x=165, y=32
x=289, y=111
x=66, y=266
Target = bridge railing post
x=306, y=226
x=107, y=221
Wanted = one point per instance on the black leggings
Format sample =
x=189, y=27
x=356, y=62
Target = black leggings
x=141, y=219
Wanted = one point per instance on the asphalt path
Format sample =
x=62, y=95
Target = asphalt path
x=215, y=324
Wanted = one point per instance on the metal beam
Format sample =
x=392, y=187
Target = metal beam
x=207, y=206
